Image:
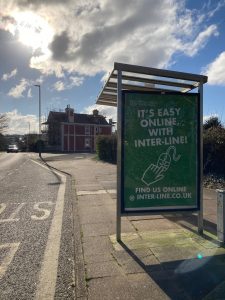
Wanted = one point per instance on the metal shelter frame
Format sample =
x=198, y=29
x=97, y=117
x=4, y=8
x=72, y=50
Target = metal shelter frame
x=139, y=78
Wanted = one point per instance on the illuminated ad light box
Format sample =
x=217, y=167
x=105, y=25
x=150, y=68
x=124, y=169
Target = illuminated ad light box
x=160, y=152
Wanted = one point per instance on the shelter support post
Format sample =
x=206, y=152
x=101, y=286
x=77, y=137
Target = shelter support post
x=200, y=212
x=119, y=154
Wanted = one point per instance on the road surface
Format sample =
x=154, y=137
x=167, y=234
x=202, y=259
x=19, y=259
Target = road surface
x=36, y=231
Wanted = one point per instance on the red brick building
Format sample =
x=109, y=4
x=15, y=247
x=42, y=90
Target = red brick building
x=72, y=132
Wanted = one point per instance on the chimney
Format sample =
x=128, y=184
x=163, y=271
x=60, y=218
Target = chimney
x=95, y=112
x=70, y=114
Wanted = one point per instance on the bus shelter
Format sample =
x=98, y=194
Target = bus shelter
x=159, y=148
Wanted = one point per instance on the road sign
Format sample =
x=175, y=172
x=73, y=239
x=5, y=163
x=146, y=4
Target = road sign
x=160, y=152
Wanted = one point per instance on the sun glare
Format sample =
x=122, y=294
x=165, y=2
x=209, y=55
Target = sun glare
x=33, y=31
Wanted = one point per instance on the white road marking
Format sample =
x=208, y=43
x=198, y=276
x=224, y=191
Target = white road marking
x=13, y=247
x=2, y=207
x=43, y=166
x=44, y=211
x=39, y=213
x=48, y=273
x=8, y=220
x=12, y=216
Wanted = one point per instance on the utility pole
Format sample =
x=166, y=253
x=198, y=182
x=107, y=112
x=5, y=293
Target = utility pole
x=39, y=133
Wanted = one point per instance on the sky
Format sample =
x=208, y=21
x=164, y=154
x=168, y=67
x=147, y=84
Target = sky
x=68, y=47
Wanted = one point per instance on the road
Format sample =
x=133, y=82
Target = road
x=36, y=231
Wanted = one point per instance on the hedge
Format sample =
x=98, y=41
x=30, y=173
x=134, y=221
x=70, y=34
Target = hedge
x=214, y=151
x=106, y=148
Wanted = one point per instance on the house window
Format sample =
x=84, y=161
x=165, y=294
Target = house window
x=87, y=130
x=87, y=143
x=96, y=129
x=71, y=129
x=65, y=129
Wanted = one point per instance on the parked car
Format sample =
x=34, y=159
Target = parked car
x=12, y=148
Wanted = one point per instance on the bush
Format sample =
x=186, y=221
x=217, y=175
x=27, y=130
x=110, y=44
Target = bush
x=3, y=142
x=106, y=147
x=214, y=150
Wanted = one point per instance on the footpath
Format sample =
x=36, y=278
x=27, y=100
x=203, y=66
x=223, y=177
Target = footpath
x=159, y=257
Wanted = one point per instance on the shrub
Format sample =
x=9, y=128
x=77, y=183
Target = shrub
x=106, y=147
x=214, y=150
x=3, y=142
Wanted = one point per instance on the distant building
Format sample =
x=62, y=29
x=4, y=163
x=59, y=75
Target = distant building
x=72, y=132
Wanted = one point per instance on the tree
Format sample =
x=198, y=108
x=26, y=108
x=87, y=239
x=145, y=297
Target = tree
x=4, y=122
x=212, y=122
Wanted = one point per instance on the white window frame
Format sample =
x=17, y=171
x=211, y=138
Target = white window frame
x=87, y=143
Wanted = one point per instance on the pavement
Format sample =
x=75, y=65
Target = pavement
x=159, y=257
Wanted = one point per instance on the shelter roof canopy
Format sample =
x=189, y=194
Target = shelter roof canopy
x=139, y=78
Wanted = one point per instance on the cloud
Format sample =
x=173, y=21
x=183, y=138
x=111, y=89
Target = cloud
x=76, y=81
x=60, y=46
x=59, y=86
x=19, y=89
x=218, y=6
x=19, y=124
x=201, y=40
x=29, y=94
x=108, y=112
x=69, y=84
x=89, y=36
x=216, y=71
x=7, y=76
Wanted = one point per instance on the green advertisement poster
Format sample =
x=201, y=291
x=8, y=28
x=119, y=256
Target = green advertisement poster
x=160, y=151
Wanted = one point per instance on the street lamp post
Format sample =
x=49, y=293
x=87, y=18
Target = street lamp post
x=39, y=142
x=28, y=136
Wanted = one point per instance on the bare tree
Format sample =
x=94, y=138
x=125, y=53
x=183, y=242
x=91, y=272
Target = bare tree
x=4, y=122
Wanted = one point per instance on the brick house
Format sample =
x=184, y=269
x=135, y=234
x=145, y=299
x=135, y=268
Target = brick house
x=72, y=132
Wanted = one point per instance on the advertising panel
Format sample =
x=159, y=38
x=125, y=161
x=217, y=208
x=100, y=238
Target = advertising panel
x=160, y=152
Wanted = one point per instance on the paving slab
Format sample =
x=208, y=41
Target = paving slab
x=217, y=293
x=163, y=238
x=88, y=187
x=143, y=225
x=143, y=218
x=107, y=289
x=105, y=228
x=102, y=269
x=137, y=262
x=95, y=200
x=97, y=229
x=102, y=257
x=95, y=215
x=143, y=287
x=96, y=245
